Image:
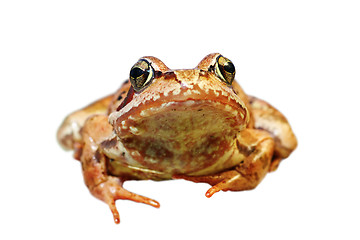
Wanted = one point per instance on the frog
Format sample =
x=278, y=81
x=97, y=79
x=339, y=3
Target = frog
x=162, y=124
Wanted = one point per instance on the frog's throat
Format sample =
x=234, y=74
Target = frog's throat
x=179, y=137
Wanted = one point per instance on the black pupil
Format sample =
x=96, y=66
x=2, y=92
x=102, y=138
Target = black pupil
x=136, y=72
x=229, y=67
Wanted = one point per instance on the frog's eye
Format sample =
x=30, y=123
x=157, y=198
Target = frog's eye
x=225, y=69
x=141, y=74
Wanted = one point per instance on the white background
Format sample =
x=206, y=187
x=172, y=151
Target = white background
x=301, y=56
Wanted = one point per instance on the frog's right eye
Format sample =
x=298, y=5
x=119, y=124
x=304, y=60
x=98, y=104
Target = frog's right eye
x=141, y=75
x=225, y=69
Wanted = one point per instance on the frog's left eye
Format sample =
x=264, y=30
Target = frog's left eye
x=225, y=69
x=141, y=74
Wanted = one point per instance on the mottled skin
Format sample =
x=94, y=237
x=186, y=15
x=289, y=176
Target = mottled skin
x=186, y=124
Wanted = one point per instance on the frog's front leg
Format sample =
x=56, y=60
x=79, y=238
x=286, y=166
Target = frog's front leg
x=257, y=146
x=103, y=186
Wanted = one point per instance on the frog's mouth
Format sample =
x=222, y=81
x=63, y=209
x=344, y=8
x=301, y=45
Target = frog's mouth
x=173, y=118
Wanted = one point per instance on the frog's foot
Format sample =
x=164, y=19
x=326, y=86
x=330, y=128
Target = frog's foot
x=245, y=176
x=229, y=180
x=112, y=190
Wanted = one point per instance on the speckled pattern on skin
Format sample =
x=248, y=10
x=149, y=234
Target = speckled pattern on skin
x=194, y=124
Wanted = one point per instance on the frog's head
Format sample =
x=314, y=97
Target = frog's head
x=186, y=112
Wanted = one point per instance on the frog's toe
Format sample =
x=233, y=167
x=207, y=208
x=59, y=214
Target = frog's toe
x=114, y=211
x=126, y=195
x=219, y=182
x=224, y=185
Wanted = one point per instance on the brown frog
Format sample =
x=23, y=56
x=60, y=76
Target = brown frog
x=194, y=124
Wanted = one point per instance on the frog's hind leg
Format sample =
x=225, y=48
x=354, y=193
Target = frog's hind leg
x=268, y=118
x=101, y=185
x=69, y=135
x=258, y=148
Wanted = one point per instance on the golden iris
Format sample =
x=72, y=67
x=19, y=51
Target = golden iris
x=141, y=74
x=225, y=69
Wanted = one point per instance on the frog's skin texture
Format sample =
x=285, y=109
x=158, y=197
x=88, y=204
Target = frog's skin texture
x=183, y=124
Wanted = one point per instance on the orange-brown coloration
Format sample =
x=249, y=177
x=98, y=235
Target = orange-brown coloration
x=183, y=124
